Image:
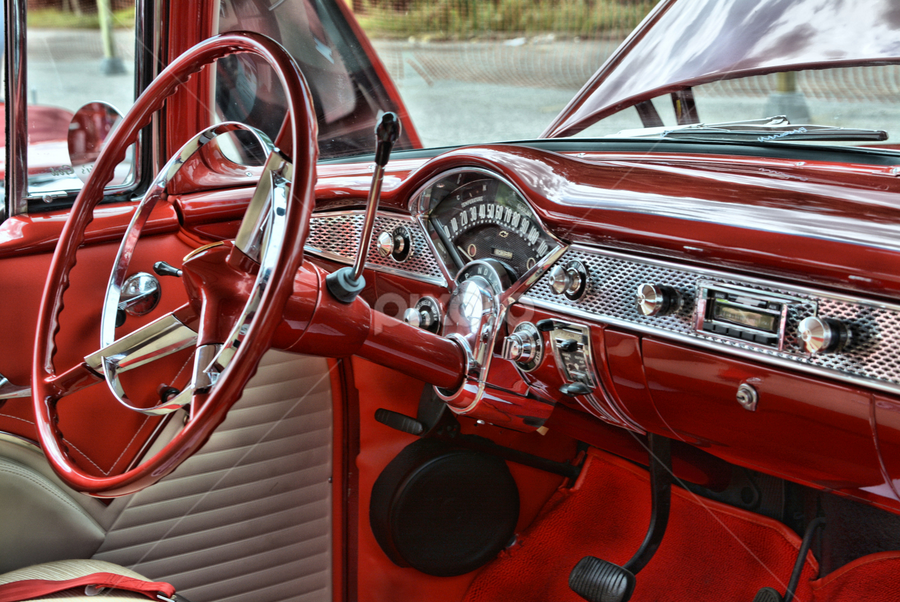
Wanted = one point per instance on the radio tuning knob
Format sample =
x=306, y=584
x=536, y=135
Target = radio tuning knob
x=658, y=300
x=823, y=335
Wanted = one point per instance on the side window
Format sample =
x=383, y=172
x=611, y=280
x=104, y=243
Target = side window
x=348, y=92
x=76, y=54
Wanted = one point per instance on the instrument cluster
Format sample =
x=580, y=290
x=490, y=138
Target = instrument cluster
x=474, y=215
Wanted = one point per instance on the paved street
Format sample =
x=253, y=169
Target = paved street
x=64, y=69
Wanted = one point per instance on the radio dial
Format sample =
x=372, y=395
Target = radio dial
x=657, y=300
x=823, y=335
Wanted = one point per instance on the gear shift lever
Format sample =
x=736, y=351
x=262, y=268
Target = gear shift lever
x=346, y=283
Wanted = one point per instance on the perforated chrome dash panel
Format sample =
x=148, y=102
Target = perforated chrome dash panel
x=335, y=236
x=872, y=359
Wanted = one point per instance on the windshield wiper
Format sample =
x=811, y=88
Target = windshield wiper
x=770, y=129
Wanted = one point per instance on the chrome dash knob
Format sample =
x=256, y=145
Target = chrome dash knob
x=657, y=300
x=524, y=346
x=425, y=315
x=385, y=244
x=570, y=280
x=414, y=317
x=517, y=348
x=823, y=335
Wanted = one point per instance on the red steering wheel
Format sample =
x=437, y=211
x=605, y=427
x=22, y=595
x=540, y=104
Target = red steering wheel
x=239, y=357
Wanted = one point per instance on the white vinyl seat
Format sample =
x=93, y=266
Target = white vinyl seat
x=69, y=570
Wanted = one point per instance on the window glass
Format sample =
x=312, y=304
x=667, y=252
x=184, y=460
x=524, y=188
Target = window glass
x=78, y=53
x=348, y=91
x=860, y=98
x=466, y=71
x=474, y=71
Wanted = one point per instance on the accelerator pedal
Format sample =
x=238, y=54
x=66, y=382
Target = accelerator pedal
x=597, y=580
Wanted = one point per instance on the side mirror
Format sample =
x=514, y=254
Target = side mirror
x=89, y=129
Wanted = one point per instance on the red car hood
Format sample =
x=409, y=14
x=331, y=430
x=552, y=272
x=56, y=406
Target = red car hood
x=685, y=43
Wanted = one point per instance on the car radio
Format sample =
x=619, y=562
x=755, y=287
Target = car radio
x=748, y=315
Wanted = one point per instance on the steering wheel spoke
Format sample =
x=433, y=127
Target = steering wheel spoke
x=74, y=379
x=253, y=234
x=156, y=340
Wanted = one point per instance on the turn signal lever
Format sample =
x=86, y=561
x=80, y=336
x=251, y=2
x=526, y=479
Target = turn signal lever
x=346, y=283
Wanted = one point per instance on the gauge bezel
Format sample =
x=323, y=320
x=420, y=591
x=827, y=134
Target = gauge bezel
x=421, y=210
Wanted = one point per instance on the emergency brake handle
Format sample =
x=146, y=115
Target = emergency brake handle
x=346, y=283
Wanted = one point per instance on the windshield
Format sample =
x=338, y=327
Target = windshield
x=461, y=71
x=850, y=105
x=465, y=72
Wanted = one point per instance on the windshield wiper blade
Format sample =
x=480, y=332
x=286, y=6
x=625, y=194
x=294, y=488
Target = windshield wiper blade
x=770, y=129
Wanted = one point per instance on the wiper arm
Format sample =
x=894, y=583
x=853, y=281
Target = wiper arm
x=770, y=129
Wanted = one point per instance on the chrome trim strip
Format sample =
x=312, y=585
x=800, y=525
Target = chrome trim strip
x=779, y=221
x=17, y=98
x=785, y=359
x=430, y=243
x=787, y=290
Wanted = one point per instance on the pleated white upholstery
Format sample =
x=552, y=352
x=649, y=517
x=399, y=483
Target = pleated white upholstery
x=72, y=569
x=249, y=516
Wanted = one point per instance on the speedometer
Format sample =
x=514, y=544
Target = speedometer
x=486, y=219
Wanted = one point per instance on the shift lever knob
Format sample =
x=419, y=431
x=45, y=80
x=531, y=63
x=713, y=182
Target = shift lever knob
x=387, y=130
x=346, y=283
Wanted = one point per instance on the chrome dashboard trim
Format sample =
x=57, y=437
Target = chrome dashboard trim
x=768, y=219
x=334, y=235
x=609, y=300
x=611, y=412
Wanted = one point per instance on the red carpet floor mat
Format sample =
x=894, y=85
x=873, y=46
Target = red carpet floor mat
x=872, y=578
x=710, y=551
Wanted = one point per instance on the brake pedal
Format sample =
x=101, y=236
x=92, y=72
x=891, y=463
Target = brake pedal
x=767, y=594
x=597, y=580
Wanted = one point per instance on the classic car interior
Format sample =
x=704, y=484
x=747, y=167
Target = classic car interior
x=289, y=354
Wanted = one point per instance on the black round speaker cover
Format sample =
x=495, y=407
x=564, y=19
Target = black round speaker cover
x=443, y=510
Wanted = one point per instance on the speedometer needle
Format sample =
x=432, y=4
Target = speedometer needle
x=463, y=251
